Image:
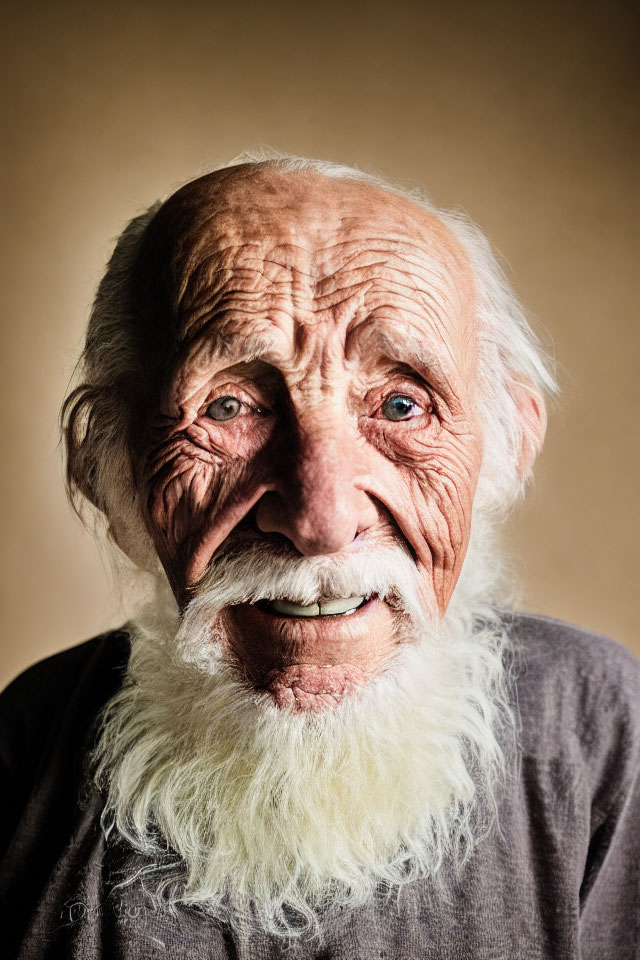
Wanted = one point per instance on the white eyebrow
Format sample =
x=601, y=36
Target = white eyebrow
x=409, y=348
x=232, y=348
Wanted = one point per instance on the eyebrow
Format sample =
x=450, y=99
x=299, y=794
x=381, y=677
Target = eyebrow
x=233, y=347
x=409, y=349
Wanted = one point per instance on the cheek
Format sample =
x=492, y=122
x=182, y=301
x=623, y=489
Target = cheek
x=445, y=489
x=193, y=480
x=428, y=484
x=182, y=494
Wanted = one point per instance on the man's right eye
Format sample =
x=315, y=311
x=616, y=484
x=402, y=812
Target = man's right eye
x=224, y=408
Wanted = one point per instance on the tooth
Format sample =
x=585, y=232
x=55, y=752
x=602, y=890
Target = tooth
x=328, y=607
x=295, y=609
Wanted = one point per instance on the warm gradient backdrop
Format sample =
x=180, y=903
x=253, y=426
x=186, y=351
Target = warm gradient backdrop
x=524, y=114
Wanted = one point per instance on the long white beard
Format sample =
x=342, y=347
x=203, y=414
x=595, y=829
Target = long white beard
x=270, y=816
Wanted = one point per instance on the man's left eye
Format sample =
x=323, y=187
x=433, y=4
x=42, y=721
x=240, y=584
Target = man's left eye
x=224, y=408
x=400, y=407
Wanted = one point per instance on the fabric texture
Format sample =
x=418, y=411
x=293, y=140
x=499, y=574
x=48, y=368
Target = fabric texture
x=558, y=878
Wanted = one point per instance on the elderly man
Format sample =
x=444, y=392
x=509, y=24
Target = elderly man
x=308, y=399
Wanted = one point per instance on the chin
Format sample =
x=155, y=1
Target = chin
x=312, y=660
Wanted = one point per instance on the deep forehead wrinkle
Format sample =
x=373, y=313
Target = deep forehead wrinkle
x=279, y=250
x=408, y=324
x=358, y=275
x=382, y=336
x=242, y=329
x=364, y=249
x=249, y=270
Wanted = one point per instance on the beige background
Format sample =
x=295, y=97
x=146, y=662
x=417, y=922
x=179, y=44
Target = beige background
x=525, y=115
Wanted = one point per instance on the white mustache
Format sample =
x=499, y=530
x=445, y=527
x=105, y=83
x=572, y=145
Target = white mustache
x=247, y=570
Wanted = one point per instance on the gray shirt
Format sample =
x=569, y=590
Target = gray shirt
x=558, y=878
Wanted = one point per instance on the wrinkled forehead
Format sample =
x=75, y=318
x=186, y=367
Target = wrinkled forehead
x=252, y=232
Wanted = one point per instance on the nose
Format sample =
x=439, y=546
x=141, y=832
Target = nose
x=318, y=504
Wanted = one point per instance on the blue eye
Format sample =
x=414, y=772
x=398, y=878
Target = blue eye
x=224, y=408
x=399, y=407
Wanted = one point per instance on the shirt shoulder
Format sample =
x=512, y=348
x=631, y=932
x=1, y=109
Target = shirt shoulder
x=47, y=714
x=52, y=685
x=578, y=699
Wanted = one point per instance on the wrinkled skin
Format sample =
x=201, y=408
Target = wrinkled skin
x=312, y=302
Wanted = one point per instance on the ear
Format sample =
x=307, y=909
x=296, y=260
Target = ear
x=532, y=415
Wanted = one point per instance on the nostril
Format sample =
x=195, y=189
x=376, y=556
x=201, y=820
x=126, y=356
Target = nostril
x=250, y=520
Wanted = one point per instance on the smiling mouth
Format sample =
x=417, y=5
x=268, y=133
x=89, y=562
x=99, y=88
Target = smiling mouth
x=334, y=644
x=331, y=607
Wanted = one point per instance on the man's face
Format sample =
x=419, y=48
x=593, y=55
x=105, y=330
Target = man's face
x=321, y=397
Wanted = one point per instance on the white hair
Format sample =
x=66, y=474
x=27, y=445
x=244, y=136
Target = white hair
x=273, y=819
x=96, y=416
